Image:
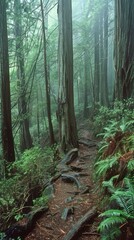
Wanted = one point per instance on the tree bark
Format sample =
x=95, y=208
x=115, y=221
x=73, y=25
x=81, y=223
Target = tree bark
x=96, y=61
x=124, y=49
x=48, y=99
x=104, y=55
x=25, y=137
x=65, y=112
x=7, y=135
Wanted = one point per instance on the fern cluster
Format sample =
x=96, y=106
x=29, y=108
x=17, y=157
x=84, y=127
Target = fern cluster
x=114, y=169
x=121, y=115
x=123, y=217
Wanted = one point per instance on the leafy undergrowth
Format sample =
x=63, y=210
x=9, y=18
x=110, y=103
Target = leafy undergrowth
x=114, y=169
x=25, y=182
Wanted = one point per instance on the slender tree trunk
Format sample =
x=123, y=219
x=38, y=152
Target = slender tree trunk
x=48, y=99
x=104, y=55
x=65, y=113
x=25, y=137
x=7, y=136
x=106, y=100
x=38, y=116
x=86, y=85
x=96, y=61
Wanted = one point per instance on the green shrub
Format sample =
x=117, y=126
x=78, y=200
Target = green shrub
x=26, y=180
x=121, y=116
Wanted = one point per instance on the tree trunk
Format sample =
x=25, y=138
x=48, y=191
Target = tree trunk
x=7, y=136
x=124, y=49
x=86, y=85
x=65, y=113
x=96, y=61
x=48, y=99
x=106, y=100
x=25, y=137
x=104, y=55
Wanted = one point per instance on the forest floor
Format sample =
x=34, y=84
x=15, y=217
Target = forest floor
x=68, y=197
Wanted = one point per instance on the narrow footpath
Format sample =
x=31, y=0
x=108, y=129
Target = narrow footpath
x=73, y=199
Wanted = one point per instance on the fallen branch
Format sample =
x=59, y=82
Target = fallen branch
x=77, y=227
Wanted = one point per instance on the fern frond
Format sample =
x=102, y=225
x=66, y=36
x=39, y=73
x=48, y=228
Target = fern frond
x=130, y=166
x=125, y=197
x=103, y=165
x=109, y=222
x=113, y=234
x=109, y=184
x=115, y=212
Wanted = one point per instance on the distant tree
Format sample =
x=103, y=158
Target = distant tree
x=96, y=60
x=25, y=137
x=7, y=136
x=124, y=49
x=47, y=82
x=65, y=113
x=104, y=14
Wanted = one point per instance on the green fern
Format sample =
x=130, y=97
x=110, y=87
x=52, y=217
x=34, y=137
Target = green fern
x=111, y=235
x=110, y=184
x=124, y=197
x=115, y=213
x=109, y=222
x=104, y=165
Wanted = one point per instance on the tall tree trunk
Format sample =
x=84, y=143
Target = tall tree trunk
x=101, y=15
x=96, y=61
x=104, y=55
x=25, y=137
x=86, y=85
x=66, y=114
x=48, y=99
x=124, y=49
x=7, y=136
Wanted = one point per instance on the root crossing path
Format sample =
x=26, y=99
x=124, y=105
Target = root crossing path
x=72, y=213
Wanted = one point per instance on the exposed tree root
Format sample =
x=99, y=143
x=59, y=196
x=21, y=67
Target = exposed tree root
x=77, y=227
x=87, y=143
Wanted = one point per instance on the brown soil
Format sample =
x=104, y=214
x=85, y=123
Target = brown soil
x=51, y=225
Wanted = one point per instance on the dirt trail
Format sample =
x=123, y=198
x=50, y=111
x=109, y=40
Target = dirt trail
x=67, y=195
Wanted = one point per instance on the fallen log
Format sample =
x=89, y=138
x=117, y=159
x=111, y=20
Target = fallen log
x=77, y=227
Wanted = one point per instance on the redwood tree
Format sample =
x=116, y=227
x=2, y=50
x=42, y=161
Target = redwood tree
x=7, y=136
x=124, y=48
x=65, y=113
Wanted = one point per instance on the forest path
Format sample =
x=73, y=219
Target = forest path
x=70, y=200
